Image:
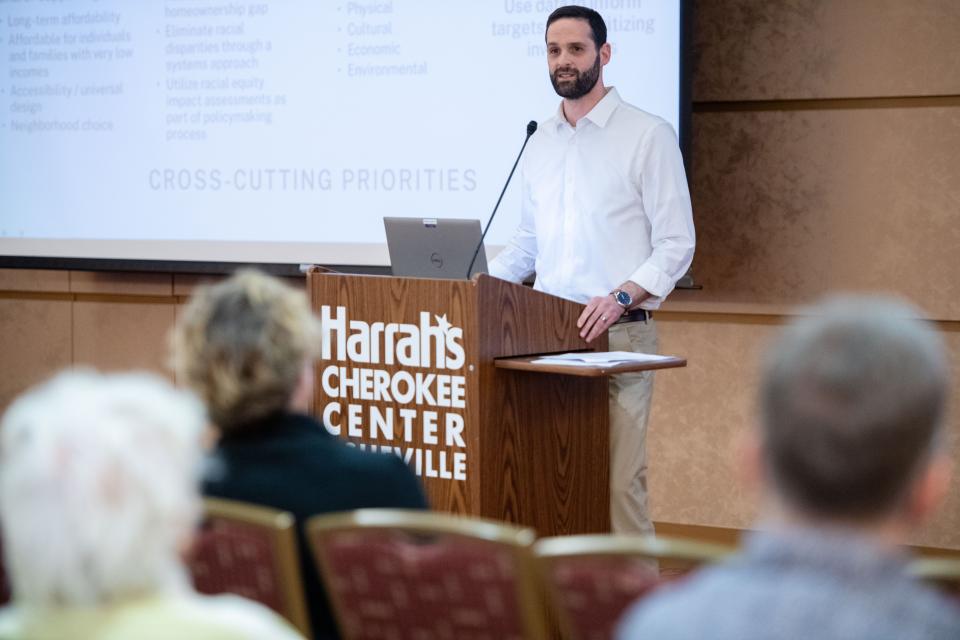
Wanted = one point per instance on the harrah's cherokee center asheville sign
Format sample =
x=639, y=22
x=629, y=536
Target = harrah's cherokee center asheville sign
x=415, y=373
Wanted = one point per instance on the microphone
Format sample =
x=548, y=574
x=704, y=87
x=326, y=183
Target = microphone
x=531, y=129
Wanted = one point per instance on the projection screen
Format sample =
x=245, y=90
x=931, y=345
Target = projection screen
x=281, y=131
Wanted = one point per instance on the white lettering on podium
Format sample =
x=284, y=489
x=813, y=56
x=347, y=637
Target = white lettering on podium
x=427, y=344
x=424, y=462
x=419, y=409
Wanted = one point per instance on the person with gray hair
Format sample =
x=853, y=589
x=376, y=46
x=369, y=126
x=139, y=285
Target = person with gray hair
x=98, y=498
x=850, y=459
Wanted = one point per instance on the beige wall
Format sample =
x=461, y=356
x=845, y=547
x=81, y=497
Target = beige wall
x=826, y=156
x=701, y=413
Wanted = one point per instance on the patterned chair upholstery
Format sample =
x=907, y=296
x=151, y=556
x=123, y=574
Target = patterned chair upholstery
x=594, y=578
x=396, y=574
x=941, y=573
x=250, y=551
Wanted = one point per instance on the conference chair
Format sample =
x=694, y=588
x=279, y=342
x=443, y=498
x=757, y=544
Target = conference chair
x=251, y=551
x=941, y=573
x=412, y=574
x=593, y=579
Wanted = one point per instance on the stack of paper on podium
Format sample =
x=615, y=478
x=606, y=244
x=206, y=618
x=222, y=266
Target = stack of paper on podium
x=602, y=358
x=590, y=363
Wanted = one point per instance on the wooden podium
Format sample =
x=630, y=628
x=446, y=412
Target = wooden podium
x=409, y=366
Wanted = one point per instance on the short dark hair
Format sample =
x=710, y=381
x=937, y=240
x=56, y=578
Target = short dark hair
x=852, y=404
x=597, y=26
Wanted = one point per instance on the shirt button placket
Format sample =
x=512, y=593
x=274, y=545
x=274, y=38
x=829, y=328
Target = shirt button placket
x=569, y=235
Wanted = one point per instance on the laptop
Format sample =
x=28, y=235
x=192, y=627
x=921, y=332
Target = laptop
x=434, y=247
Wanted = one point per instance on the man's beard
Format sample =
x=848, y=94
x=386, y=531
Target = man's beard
x=582, y=83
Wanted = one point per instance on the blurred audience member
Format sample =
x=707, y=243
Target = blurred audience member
x=247, y=346
x=98, y=497
x=850, y=459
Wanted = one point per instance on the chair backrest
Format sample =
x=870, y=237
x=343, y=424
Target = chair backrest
x=393, y=573
x=593, y=579
x=251, y=551
x=941, y=573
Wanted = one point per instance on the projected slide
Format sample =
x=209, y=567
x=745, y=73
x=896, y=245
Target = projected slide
x=161, y=129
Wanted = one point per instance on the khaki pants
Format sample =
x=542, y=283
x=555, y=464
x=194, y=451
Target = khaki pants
x=630, y=395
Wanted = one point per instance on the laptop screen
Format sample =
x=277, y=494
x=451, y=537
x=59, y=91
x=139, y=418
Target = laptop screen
x=434, y=247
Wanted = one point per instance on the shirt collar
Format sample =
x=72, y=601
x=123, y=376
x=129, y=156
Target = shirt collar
x=601, y=112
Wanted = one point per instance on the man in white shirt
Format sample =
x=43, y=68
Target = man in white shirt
x=606, y=221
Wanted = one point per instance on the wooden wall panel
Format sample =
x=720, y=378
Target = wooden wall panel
x=114, y=283
x=791, y=204
x=36, y=280
x=185, y=284
x=34, y=343
x=178, y=310
x=111, y=335
x=701, y=413
x=790, y=49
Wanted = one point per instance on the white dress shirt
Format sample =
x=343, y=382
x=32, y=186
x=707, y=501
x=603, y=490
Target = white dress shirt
x=602, y=203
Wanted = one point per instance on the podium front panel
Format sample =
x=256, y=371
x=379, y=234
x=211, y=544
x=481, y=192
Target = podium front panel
x=407, y=368
x=398, y=374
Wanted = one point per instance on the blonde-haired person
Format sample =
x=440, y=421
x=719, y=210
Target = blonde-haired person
x=98, y=497
x=247, y=346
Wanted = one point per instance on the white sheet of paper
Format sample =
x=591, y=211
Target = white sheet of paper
x=564, y=363
x=595, y=358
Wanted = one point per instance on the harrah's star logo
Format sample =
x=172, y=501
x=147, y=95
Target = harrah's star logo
x=443, y=323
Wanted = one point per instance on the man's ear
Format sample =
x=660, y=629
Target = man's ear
x=605, y=52
x=930, y=487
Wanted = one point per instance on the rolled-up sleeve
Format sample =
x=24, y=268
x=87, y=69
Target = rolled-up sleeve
x=666, y=203
x=517, y=260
